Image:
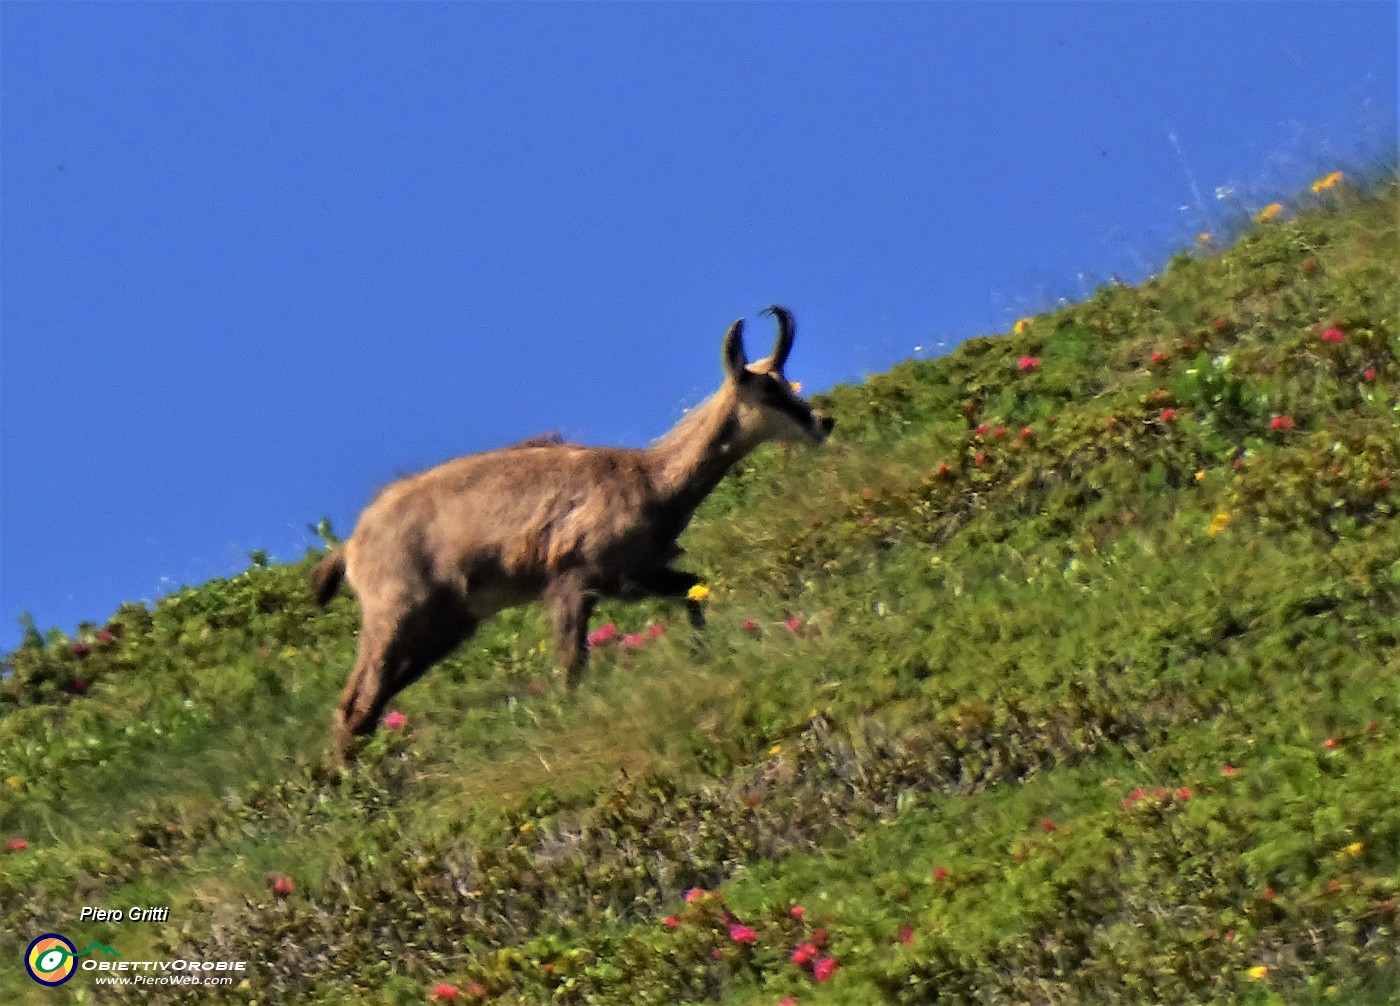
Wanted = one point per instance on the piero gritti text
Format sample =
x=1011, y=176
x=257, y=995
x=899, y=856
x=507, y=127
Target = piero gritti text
x=91, y=914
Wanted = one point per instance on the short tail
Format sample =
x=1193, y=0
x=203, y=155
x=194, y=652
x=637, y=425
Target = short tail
x=326, y=577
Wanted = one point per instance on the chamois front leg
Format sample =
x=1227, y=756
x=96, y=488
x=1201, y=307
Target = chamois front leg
x=570, y=606
x=663, y=581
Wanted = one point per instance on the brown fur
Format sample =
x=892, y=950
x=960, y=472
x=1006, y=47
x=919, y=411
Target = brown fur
x=437, y=553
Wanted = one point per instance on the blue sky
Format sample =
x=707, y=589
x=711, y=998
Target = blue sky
x=257, y=260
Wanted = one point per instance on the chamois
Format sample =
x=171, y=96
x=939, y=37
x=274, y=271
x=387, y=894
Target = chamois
x=437, y=553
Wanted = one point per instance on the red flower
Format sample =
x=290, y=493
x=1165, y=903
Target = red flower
x=1158, y=356
x=1027, y=433
x=603, y=634
x=750, y=625
x=16, y=845
x=1369, y=373
x=797, y=911
x=106, y=638
x=819, y=937
x=633, y=640
x=1220, y=324
x=1047, y=826
x=906, y=935
x=822, y=970
x=656, y=630
x=79, y=649
x=670, y=922
x=445, y=993
x=742, y=934
x=939, y=873
x=1227, y=769
x=1330, y=743
x=1310, y=266
x=1168, y=415
x=979, y=458
x=982, y=430
x=794, y=624
x=1184, y=793
x=281, y=884
x=717, y=953
x=478, y=991
x=80, y=684
x=1028, y=363
x=942, y=468
x=803, y=954
x=789, y=1001
x=1268, y=894
x=1281, y=423
x=395, y=720
x=999, y=432
x=1333, y=334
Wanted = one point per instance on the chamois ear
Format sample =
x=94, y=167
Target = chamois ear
x=735, y=361
x=787, y=328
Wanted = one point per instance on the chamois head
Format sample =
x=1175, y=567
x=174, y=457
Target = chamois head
x=766, y=405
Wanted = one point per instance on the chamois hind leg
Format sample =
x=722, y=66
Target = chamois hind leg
x=570, y=606
x=393, y=655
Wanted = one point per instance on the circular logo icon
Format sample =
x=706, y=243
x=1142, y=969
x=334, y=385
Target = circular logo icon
x=49, y=959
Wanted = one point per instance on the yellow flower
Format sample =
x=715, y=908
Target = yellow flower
x=1354, y=849
x=1328, y=182
x=528, y=826
x=1201, y=475
x=1268, y=213
x=1021, y=326
x=1205, y=237
x=775, y=749
x=14, y=782
x=795, y=387
x=1258, y=972
x=698, y=592
x=1219, y=522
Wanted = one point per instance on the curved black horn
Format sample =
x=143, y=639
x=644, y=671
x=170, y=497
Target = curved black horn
x=786, y=330
x=735, y=359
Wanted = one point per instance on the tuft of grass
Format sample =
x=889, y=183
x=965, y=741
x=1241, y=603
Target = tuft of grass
x=1067, y=680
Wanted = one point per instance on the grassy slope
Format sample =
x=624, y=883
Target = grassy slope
x=990, y=766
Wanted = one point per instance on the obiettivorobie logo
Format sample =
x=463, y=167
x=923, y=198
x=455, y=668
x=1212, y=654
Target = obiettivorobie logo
x=51, y=959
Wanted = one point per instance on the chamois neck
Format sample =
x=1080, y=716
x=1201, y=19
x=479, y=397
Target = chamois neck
x=690, y=460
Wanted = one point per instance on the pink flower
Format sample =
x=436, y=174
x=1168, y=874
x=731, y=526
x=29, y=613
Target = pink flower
x=16, y=845
x=822, y=970
x=670, y=922
x=695, y=894
x=1228, y=770
x=281, y=885
x=603, y=634
x=906, y=935
x=443, y=993
x=742, y=934
x=633, y=640
x=1333, y=334
x=79, y=649
x=1281, y=423
x=1168, y=415
x=794, y=624
x=395, y=720
x=789, y=1001
x=1028, y=363
x=819, y=937
x=750, y=625
x=656, y=630
x=803, y=954
x=106, y=638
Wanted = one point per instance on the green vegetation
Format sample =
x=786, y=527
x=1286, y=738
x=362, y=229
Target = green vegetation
x=1068, y=674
